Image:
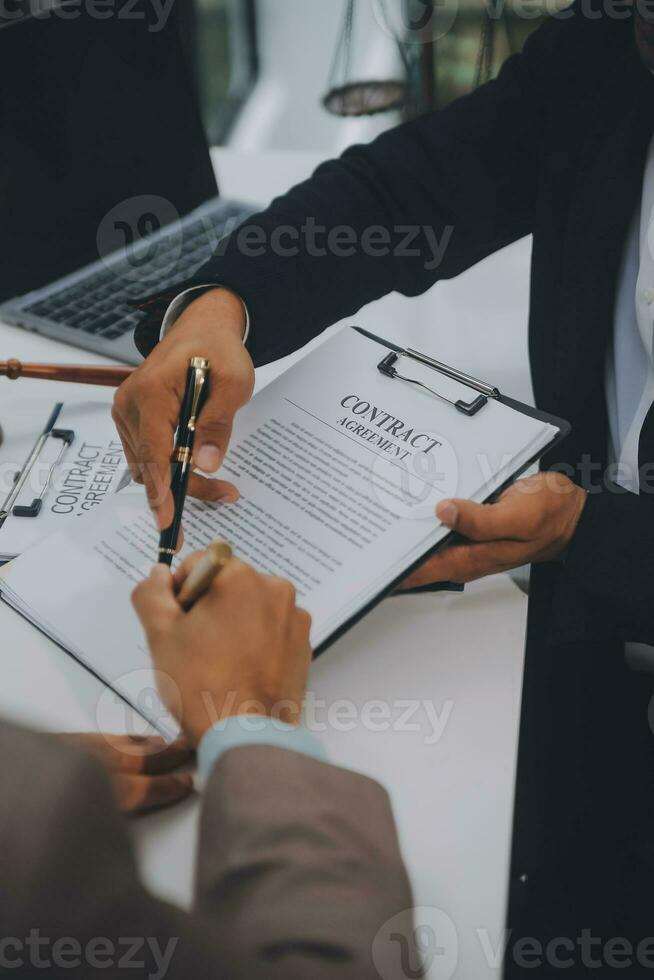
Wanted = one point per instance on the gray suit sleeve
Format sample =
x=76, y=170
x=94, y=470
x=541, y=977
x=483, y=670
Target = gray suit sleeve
x=70, y=898
x=280, y=852
x=299, y=865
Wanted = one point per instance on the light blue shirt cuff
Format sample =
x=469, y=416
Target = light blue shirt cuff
x=239, y=730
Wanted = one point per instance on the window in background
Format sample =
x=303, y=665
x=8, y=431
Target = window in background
x=457, y=53
x=221, y=35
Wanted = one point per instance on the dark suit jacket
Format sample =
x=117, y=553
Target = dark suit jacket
x=554, y=147
x=298, y=868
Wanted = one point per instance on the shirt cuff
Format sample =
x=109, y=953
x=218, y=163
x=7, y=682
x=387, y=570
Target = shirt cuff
x=241, y=730
x=185, y=299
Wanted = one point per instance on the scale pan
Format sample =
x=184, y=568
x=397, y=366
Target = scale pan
x=366, y=98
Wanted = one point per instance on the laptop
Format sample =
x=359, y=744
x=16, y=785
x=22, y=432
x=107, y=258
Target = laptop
x=107, y=189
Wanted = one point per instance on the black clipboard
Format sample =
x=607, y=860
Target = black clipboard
x=469, y=408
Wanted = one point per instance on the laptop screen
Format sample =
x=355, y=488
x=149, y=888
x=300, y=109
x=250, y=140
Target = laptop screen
x=98, y=121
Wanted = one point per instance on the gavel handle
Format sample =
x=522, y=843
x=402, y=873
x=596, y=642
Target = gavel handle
x=86, y=374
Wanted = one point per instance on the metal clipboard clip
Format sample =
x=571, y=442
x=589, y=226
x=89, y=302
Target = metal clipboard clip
x=66, y=436
x=388, y=367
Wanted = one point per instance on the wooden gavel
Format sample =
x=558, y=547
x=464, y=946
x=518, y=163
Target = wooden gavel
x=85, y=374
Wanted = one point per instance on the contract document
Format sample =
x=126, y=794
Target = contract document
x=340, y=469
x=92, y=468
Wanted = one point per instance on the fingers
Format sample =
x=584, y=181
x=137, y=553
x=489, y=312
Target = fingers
x=130, y=455
x=149, y=756
x=282, y=590
x=237, y=575
x=468, y=562
x=139, y=794
x=146, y=406
x=212, y=436
x=136, y=754
x=145, y=416
x=232, y=377
x=531, y=521
x=432, y=571
x=155, y=603
x=507, y=518
x=238, y=586
x=524, y=512
x=217, y=491
x=185, y=568
x=141, y=769
x=154, y=448
x=302, y=634
x=231, y=386
x=303, y=621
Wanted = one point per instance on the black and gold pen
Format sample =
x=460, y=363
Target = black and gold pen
x=197, y=384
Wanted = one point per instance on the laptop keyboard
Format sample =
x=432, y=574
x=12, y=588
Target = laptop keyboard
x=99, y=303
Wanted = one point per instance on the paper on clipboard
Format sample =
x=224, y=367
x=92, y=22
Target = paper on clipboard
x=90, y=469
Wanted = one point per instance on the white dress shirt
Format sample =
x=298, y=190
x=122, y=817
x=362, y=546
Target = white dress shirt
x=630, y=360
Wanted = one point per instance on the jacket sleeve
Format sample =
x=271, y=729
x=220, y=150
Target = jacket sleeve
x=300, y=868
x=70, y=896
x=608, y=578
x=424, y=201
x=290, y=885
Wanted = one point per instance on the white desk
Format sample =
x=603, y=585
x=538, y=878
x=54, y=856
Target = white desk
x=463, y=655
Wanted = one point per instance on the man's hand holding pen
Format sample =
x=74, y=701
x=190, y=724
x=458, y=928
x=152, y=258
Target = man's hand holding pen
x=147, y=405
x=257, y=662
